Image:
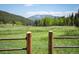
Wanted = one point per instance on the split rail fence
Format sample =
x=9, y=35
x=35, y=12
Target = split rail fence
x=51, y=46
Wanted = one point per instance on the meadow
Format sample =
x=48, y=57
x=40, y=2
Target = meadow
x=39, y=38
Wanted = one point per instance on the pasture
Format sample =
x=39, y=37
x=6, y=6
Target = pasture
x=39, y=38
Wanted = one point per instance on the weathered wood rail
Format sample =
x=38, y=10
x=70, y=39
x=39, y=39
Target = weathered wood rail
x=66, y=37
x=66, y=46
x=12, y=38
x=13, y=49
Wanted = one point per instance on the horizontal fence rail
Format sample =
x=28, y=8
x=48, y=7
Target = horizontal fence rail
x=13, y=49
x=28, y=47
x=66, y=46
x=66, y=37
x=12, y=39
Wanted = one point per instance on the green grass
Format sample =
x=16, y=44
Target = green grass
x=39, y=38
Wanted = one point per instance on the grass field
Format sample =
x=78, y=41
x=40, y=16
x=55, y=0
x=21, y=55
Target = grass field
x=40, y=38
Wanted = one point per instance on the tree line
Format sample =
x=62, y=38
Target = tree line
x=72, y=20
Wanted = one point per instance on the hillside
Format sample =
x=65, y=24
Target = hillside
x=9, y=18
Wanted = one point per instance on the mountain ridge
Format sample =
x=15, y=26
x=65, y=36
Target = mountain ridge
x=36, y=17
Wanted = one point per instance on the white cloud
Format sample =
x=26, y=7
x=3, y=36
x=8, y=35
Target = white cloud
x=27, y=4
x=67, y=13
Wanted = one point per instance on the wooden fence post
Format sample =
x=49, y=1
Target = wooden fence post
x=29, y=42
x=50, y=43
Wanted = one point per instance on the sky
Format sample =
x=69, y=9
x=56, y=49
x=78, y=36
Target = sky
x=27, y=10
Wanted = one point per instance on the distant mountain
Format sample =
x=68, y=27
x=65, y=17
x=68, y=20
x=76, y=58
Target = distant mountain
x=6, y=17
x=36, y=17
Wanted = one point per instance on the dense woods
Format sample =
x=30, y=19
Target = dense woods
x=8, y=18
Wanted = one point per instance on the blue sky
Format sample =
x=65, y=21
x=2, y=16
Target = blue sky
x=28, y=10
